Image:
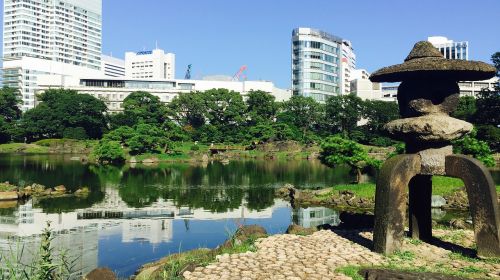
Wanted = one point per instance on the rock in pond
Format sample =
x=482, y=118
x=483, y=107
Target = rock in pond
x=101, y=273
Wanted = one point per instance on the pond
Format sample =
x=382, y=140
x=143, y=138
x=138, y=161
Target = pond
x=138, y=214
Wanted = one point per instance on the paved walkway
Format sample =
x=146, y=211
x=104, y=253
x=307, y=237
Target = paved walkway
x=317, y=256
x=288, y=256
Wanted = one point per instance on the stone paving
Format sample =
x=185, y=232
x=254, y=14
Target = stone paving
x=317, y=256
x=288, y=256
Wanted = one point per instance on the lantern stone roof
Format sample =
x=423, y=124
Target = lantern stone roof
x=425, y=61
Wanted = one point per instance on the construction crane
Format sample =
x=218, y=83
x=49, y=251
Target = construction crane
x=188, y=72
x=240, y=74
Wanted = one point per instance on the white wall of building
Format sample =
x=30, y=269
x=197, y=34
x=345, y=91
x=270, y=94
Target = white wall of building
x=155, y=64
x=114, y=90
x=23, y=73
x=112, y=66
x=348, y=62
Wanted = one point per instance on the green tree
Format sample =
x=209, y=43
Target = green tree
x=336, y=150
x=466, y=109
x=61, y=109
x=121, y=134
x=142, y=106
x=302, y=112
x=109, y=152
x=491, y=135
x=9, y=104
x=188, y=109
x=488, y=106
x=343, y=113
x=9, y=113
x=378, y=113
x=147, y=138
x=261, y=107
x=495, y=58
x=224, y=108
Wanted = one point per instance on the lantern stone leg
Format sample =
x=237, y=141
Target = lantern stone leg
x=390, y=202
x=483, y=202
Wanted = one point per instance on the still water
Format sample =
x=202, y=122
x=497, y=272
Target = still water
x=137, y=214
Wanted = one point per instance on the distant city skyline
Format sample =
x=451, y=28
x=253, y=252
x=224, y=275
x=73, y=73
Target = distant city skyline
x=218, y=37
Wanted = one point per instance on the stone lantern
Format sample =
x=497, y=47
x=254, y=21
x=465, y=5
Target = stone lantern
x=427, y=94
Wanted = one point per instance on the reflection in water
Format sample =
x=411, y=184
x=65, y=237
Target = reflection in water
x=89, y=232
x=135, y=215
x=314, y=216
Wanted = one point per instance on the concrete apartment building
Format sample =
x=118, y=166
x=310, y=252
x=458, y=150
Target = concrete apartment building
x=49, y=36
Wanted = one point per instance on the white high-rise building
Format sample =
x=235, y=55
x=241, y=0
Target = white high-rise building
x=155, y=64
x=449, y=48
x=321, y=64
x=49, y=36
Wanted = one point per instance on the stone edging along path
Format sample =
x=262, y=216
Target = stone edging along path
x=319, y=255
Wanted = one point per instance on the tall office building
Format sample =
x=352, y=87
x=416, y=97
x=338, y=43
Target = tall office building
x=155, y=64
x=317, y=59
x=449, y=48
x=49, y=37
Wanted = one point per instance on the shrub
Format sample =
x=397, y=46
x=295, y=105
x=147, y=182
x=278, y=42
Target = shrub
x=469, y=145
x=195, y=148
x=109, y=152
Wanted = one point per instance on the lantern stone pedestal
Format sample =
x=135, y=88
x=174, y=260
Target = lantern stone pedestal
x=428, y=93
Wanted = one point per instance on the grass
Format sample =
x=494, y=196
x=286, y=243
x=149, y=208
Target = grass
x=173, y=265
x=351, y=271
x=366, y=190
x=23, y=148
x=7, y=187
x=441, y=185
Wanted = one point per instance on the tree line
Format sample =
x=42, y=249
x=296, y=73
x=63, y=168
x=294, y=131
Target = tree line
x=221, y=116
x=217, y=115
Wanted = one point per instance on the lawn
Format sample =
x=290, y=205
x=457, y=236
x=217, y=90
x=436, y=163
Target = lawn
x=441, y=185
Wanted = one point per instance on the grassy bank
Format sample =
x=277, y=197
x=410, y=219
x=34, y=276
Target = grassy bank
x=50, y=146
x=172, y=267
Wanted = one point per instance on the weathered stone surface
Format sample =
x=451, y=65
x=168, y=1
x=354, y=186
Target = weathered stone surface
x=433, y=160
x=424, y=61
x=429, y=128
x=385, y=274
x=8, y=196
x=417, y=97
x=101, y=274
x=483, y=202
x=390, y=201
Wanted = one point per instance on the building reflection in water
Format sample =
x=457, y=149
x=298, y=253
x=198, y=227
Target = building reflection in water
x=315, y=216
x=80, y=230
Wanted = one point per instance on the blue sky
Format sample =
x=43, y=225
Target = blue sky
x=218, y=36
